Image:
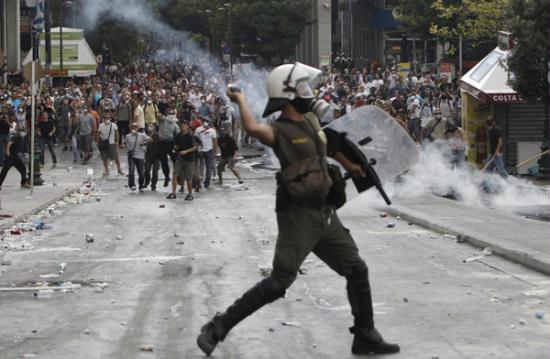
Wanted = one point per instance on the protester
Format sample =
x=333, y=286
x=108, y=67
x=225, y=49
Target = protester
x=186, y=148
x=228, y=149
x=46, y=131
x=136, y=143
x=207, y=136
x=13, y=158
x=107, y=142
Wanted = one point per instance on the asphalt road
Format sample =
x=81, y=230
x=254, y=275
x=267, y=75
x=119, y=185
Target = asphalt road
x=153, y=276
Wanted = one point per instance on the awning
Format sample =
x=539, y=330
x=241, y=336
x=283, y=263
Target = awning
x=488, y=80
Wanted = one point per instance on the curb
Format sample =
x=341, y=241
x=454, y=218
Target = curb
x=525, y=259
x=14, y=220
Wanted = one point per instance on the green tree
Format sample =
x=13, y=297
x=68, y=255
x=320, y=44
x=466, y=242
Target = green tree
x=267, y=28
x=477, y=21
x=122, y=40
x=529, y=59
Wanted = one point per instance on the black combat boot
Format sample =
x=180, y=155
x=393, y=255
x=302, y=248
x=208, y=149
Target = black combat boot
x=369, y=341
x=215, y=330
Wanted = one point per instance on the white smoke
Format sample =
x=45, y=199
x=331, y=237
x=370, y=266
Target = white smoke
x=434, y=174
x=176, y=45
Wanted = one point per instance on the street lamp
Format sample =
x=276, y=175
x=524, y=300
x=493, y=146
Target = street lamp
x=62, y=5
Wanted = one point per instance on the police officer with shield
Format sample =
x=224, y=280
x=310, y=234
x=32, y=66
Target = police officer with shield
x=305, y=208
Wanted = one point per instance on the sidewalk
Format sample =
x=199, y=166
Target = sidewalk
x=520, y=240
x=66, y=178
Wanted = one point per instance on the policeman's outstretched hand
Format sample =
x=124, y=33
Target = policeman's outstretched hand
x=235, y=94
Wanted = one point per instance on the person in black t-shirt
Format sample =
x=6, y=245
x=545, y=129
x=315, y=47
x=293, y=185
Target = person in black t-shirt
x=186, y=149
x=495, y=160
x=14, y=147
x=228, y=149
x=46, y=130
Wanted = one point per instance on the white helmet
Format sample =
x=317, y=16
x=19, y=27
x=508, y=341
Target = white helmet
x=288, y=82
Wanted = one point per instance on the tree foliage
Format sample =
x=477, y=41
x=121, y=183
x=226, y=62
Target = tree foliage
x=477, y=21
x=529, y=59
x=267, y=28
x=123, y=41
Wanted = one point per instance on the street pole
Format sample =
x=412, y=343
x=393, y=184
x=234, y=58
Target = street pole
x=61, y=42
x=33, y=115
x=460, y=55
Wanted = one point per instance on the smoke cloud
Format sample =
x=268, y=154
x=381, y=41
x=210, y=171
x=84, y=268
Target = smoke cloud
x=435, y=175
x=176, y=45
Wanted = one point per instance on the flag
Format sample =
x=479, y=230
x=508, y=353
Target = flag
x=38, y=20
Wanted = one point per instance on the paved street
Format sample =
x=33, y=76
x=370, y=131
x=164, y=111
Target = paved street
x=153, y=276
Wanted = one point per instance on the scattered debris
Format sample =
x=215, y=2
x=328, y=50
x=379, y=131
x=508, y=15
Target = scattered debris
x=265, y=271
x=314, y=346
x=28, y=355
x=162, y=262
x=398, y=218
x=390, y=225
x=308, y=261
x=486, y=251
x=180, y=242
x=512, y=326
x=118, y=216
x=383, y=215
x=472, y=259
x=290, y=323
x=460, y=238
x=89, y=238
x=6, y=262
x=539, y=315
x=521, y=322
x=271, y=329
x=118, y=238
x=146, y=348
x=405, y=300
x=44, y=293
x=123, y=324
x=302, y=270
x=162, y=205
x=86, y=331
x=176, y=235
x=99, y=287
x=62, y=267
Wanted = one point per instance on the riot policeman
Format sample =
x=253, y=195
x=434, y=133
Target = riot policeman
x=306, y=215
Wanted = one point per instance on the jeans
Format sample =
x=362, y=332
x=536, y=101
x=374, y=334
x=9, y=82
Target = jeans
x=498, y=163
x=206, y=161
x=151, y=165
x=74, y=147
x=166, y=149
x=3, y=143
x=414, y=128
x=42, y=142
x=134, y=163
x=123, y=129
x=13, y=161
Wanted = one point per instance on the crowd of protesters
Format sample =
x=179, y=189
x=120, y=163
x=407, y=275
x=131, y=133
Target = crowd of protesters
x=171, y=117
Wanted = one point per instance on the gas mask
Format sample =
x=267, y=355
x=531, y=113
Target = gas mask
x=293, y=83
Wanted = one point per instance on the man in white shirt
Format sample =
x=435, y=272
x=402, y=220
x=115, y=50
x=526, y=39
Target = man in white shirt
x=208, y=147
x=107, y=141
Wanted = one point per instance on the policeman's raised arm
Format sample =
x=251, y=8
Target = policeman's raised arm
x=261, y=131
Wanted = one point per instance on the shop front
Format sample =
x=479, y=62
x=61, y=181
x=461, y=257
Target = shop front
x=486, y=93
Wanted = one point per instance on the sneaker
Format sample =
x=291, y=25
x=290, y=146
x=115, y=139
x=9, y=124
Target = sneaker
x=188, y=197
x=153, y=188
x=241, y=181
x=120, y=173
x=133, y=188
x=166, y=182
x=171, y=196
x=141, y=190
